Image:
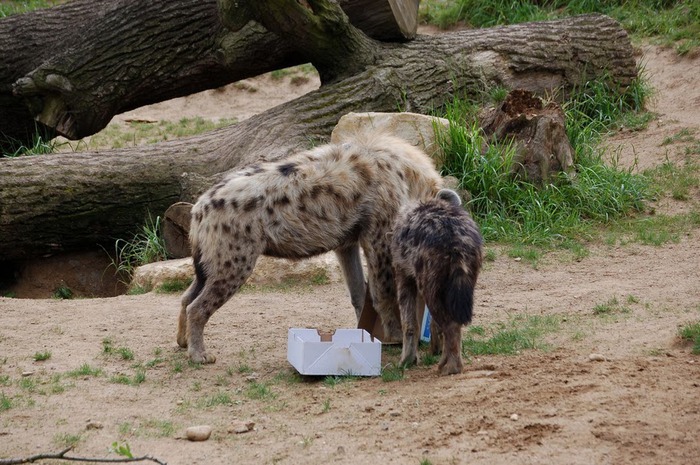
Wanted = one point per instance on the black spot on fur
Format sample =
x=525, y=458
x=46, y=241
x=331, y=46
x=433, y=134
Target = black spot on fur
x=316, y=191
x=270, y=211
x=284, y=200
x=234, y=204
x=248, y=228
x=218, y=204
x=287, y=169
x=251, y=204
x=225, y=228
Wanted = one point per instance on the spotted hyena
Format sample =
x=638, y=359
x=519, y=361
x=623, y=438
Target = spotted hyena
x=335, y=197
x=437, y=251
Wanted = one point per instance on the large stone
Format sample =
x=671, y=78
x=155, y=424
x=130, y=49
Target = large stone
x=417, y=129
x=268, y=271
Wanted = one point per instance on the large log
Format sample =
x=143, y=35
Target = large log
x=69, y=69
x=68, y=201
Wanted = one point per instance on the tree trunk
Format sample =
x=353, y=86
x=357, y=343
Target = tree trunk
x=68, y=201
x=73, y=67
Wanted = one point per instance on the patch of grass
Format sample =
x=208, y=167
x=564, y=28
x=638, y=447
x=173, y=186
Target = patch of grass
x=138, y=378
x=220, y=398
x=520, y=333
x=65, y=440
x=611, y=307
x=63, y=292
x=5, y=380
x=125, y=353
x=146, y=246
x=669, y=22
x=563, y=212
x=679, y=181
x=654, y=230
x=40, y=145
x=691, y=333
x=172, y=286
x=335, y=380
x=85, y=370
x=136, y=133
x=259, y=391
x=392, y=372
x=326, y=406
x=42, y=356
x=5, y=402
x=20, y=7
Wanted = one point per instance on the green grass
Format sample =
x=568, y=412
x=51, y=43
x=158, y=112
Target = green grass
x=136, y=133
x=6, y=402
x=691, y=333
x=611, y=306
x=564, y=212
x=675, y=23
x=19, y=7
x=509, y=338
x=146, y=246
x=259, y=391
x=172, y=286
x=392, y=372
x=42, y=356
x=220, y=398
x=84, y=370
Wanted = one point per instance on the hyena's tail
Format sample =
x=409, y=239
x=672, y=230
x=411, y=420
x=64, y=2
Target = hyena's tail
x=459, y=297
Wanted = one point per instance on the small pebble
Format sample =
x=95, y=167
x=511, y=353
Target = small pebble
x=240, y=427
x=596, y=358
x=198, y=433
x=514, y=417
x=93, y=425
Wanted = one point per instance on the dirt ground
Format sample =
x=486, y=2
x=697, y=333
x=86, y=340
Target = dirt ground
x=637, y=403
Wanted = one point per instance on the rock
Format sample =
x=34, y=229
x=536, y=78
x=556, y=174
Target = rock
x=239, y=427
x=515, y=417
x=597, y=358
x=417, y=129
x=320, y=269
x=93, y=425
x=198, y=433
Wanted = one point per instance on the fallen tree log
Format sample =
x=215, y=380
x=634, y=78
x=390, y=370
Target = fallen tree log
x=68, y=70
x=70, y=201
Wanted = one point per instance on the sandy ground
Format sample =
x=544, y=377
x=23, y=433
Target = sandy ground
x=639, y=403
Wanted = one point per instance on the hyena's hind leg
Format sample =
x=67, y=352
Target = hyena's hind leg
x=351, y=265
x=219, y=286
x=190, y=294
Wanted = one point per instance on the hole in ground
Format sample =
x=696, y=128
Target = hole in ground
x=71, y=274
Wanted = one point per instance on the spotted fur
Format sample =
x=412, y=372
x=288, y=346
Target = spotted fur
x=336, y=197
x=437, y=253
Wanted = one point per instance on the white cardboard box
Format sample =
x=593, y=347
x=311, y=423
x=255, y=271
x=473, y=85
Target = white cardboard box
x=344, y=352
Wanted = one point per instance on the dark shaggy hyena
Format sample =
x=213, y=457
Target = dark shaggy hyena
x=437, y=251
x=335, y=197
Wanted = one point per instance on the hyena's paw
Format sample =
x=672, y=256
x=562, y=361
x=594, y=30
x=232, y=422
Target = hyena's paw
x=450, y=366
x=201, y=357
x=408, y=360
x=182, y=340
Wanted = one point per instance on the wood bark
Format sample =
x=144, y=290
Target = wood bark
x=68, y=201
x=69, y=69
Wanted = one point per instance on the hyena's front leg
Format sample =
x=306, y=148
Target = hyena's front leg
x=351, y=265
x=408, y=293
x=382, y=288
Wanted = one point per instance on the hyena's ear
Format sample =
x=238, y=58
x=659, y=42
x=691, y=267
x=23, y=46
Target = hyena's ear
x=449, y=196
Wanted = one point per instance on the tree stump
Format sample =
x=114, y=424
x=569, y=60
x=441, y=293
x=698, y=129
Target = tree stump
x=538, y=131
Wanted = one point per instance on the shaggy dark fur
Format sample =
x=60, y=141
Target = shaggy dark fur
x=335, y=197
x=437, y=252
